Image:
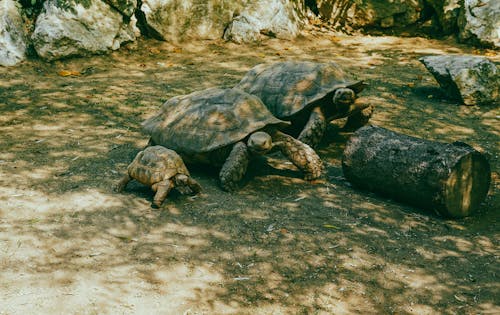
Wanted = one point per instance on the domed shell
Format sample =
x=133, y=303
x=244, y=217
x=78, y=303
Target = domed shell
x=290, y=87
x=155, y=164
x=207, y=120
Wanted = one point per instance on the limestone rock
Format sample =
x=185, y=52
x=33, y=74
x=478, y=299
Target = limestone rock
x=472, y=79
x=76, y=27
x=12, y=34
x=479, y=21
x=243, y=20
x=370, y=13
x=271, y=18
x=177, y=20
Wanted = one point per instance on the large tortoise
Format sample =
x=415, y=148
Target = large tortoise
x=161, y=169
x=309, y=95
x=224, y=128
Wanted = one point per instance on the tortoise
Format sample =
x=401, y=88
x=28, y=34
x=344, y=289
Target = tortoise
x=225, y=128
x=162, y=169
x=309, y=95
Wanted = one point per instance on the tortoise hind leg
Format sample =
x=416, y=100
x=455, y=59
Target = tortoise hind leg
x=123, y=182
x=302, y=155
x=162, y=189
x=234, y=167
x=314, y=129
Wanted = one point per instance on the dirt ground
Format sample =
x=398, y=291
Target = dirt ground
x=70, y=245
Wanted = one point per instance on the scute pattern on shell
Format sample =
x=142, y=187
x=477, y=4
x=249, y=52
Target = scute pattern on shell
x=289, y=87
x=207, y=120
x=155, y=164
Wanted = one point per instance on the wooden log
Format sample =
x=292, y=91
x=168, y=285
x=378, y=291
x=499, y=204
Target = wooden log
x=452, y=179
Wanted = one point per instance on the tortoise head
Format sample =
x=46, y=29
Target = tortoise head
x=260, y=142
x=343, y=97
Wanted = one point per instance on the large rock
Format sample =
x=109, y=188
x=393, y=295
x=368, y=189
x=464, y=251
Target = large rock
x=79, y=27
x=243, y=20
x=473, y=80
x=177, y=20
x=447, y=12
x=479, y=21
x=12, y=34
x=273, y=18
x=346, y=14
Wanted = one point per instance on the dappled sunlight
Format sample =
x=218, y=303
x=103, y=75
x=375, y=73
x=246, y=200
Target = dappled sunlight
x=280, y=244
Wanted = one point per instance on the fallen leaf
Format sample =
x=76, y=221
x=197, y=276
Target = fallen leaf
x=411, y=85
x=334, y=39
x=67, y=73
x=329, y=226
x=177, y=50
x=154, y=50
x=490, y=53
x=283, y=231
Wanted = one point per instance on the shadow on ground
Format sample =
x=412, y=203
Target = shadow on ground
x=280, y=244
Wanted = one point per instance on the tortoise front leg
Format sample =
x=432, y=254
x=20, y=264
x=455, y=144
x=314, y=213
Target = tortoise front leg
x=314, y=129
x=186, y=185
x=162, y=189
x=194, y=185
x=234, y=167
x=123, y=183
x=302, y=155
x=358, y=119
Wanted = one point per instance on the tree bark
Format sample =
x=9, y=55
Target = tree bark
x=452, y=179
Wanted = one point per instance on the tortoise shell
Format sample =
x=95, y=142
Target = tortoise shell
x=208, y=120
x=289, y=87
x=155, y=164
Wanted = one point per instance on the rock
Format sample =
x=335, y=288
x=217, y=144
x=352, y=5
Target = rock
x=479, y=22
x=125, y=7
x=472, y=79
x=177, y=20
x=75, y=28
x=271, y=18
x=12, y=34
x=347, y=14
x=447, y=12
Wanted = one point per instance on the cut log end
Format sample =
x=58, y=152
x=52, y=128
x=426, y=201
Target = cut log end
x=466, y=186
x=451, y=179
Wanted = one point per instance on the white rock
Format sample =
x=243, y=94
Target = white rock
x=79, y=29
x=274, y=18
x=12, y=34
x=177, y=20
x=479, y=21
x=472, y=79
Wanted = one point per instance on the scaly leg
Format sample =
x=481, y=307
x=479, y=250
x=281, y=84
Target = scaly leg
x=302, y=155
x=314, y=129
x=234, y=167
x=123, y=183
x=162, y=189
x=359, y=119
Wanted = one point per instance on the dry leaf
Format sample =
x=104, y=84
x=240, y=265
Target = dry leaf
x=329, y=226
x=177, y=50
x=490, y=53
x=154, y=50
x=283, y=231
x=67, y=73
x=411, y=85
